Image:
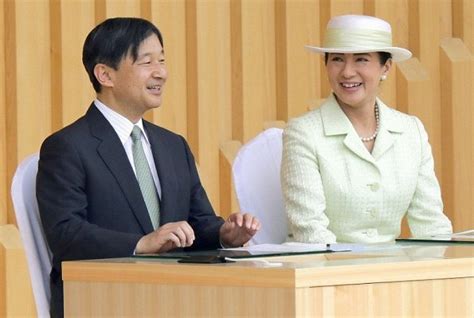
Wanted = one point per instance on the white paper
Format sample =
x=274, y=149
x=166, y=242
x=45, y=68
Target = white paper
x=292, y=247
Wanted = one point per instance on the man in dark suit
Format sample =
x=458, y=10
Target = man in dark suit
x=89, y=186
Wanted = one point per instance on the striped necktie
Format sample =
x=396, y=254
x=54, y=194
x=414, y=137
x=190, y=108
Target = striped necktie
x=144, y=177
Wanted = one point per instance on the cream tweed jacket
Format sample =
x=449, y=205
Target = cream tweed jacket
x=336, y=190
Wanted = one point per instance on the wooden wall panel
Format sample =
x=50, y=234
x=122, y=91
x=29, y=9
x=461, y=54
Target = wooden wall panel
x=76, y=94
x=446, y=18
x=339, y=7
x=458, y=100
x=192, y=119
x=29, y=121
x=4, y=193
x=170, y=17
x=33, y=79
x=413, y=82
x=122, y=8
x=463, y=22
x=425, y=34
x=213, y=93
x=10, y=99
x=56, y=64
x=258, y=69
x=298, y=70
x=223, y=65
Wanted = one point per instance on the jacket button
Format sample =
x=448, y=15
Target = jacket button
x=374, y=187
x=372, y=212
x=371, y=233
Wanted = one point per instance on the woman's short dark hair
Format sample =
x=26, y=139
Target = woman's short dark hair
x=112, y=40
x=383, y=56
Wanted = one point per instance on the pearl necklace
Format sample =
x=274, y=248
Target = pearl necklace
x=377, y=124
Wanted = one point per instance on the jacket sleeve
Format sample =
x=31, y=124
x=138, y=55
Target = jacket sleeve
x=425, y=213
x=302, y=186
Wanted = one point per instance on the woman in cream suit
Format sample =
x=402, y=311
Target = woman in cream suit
x=352, y=168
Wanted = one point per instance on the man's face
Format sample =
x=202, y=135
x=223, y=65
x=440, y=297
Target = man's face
x=138, y=85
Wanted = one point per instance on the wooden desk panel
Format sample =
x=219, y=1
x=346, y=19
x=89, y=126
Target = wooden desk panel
x=413, y=281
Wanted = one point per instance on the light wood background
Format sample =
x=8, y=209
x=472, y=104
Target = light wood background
x=235, y=66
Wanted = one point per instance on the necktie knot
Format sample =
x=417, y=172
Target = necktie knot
x=136, y=134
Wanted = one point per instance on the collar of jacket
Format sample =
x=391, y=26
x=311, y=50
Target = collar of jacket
x=335, y=122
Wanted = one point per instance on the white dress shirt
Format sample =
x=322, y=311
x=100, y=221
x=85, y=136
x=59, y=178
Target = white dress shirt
x=123, y=127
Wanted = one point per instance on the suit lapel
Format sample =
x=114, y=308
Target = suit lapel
x=354, y=144
x=165, y=168
x=113, y=154
x=390, y=126
x=336, y=123
x=383, y=143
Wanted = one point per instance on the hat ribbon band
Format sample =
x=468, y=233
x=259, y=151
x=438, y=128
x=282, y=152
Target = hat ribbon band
x=357, y=38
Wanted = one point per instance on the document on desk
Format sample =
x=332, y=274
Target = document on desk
x=292, y=248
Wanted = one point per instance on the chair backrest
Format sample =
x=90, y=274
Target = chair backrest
x=256, y=173
x=38, y=254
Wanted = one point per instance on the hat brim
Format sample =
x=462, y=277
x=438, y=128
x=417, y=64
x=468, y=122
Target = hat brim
x=398, y=53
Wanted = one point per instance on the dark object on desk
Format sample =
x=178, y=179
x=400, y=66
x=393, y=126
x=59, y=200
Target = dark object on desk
x=204, y=259
x=227, y=253
x=440, y=239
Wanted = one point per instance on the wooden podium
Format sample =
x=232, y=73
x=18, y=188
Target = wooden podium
x=404, y=280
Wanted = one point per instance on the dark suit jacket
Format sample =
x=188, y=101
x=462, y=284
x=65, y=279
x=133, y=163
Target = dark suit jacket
x=90, y=202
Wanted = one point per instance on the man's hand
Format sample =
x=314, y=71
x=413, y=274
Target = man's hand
x=166, y=237
x=238, y=229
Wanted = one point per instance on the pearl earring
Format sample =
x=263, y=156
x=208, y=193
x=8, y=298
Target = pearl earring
x=383, y=77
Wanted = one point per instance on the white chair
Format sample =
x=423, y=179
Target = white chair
x=256, y=174
x=38, y=255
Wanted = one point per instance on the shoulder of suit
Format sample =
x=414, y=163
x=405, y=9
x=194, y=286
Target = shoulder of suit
x=73, y=128
x=399, y=118
x=311, y=118
x=155, y=129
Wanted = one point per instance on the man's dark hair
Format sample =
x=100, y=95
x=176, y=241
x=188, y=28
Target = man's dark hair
x=112, y=40
x=383, y=56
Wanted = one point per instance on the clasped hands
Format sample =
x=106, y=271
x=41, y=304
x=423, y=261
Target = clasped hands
x=237, y=230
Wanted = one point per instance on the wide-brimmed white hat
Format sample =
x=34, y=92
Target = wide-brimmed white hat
x=359, y=34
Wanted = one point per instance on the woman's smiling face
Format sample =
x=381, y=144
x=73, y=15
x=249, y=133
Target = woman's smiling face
x=355, y=77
